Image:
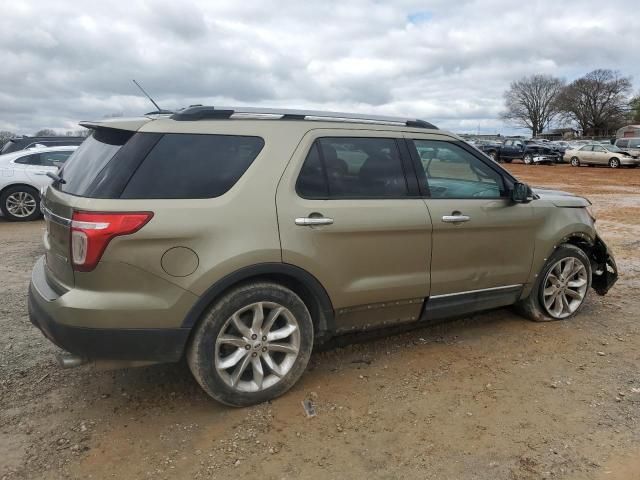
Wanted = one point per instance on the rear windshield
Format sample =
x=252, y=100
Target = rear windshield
x=121, y=164
x=89, y=159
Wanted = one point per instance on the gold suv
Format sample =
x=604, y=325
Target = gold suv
x=239, y=238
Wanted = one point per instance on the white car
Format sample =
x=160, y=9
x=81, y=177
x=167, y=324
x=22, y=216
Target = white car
x=22, y=176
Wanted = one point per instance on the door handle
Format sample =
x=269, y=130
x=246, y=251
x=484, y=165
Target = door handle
x=39, y=173
x=313, y=221
x=455, y=218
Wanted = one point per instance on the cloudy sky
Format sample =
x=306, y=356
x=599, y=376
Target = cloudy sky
x=445, y=61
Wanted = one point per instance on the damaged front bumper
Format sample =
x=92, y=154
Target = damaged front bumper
x=605, y=270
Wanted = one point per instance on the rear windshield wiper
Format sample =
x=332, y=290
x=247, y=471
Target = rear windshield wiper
x=56, y=178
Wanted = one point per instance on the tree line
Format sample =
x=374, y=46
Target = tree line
x=597, y=104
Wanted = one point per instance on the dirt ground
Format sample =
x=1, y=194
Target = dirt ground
x=491, y=396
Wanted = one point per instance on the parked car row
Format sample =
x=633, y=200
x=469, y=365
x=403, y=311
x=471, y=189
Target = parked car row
x=600, y=154
x=23, y=174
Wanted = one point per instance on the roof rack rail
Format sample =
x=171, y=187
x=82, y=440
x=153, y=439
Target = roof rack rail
x=199, y=112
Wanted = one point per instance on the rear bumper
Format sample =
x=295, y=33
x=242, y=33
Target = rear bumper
x=139, y=344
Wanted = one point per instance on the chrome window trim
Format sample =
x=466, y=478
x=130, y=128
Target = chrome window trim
x=505, y=287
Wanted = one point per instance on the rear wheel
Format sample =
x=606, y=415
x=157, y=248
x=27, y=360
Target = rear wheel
x=20, y=203
x=614, y=163
x=575, y=162
x=493, y=155
x=252, y=345
x=561, y=286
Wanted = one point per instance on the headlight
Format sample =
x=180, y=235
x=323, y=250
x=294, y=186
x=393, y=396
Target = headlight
x=591, y=213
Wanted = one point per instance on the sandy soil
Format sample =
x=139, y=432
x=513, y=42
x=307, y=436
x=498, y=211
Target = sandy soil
x=491, y=396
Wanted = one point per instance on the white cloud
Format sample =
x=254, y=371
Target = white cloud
x=447, y=62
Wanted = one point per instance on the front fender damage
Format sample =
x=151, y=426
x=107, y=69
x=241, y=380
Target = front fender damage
x=605, y=270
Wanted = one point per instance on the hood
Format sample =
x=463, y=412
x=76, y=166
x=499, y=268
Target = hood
x=560, y=198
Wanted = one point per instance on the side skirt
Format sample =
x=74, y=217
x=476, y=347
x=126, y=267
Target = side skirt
x=440, y=307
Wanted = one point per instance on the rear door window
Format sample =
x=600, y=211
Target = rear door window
x=193, y=166
x=348, y=167
x=623, y=143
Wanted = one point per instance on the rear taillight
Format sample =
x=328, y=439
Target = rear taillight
x=91, y=232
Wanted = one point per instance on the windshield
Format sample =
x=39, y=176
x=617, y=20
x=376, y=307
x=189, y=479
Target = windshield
x=612, y=148
x=89, y=159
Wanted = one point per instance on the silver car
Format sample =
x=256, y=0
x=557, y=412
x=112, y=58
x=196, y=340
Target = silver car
x=598, y=154
x=630, y=145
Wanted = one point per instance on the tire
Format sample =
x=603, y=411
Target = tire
x=534, y=308
x=207, y=356
x=614, y=163
x=575, y=162
x=20, y=203
x=528, y=159
x=493, y=155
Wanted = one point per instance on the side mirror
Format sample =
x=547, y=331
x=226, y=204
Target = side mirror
x=521, y=193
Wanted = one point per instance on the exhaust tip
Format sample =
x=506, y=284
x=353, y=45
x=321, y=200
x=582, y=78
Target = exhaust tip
x=69, y=360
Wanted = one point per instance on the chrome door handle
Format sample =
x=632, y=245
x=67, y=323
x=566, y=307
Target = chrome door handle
x=313, y=221
x=39, y=173
x=455, y=218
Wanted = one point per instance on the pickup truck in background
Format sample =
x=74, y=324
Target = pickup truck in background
x=529, y=151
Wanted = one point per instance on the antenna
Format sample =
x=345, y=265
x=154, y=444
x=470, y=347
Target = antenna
x=148, y=96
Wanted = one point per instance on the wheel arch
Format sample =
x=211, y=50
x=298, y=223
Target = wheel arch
x=19, y=184
x=301, y=282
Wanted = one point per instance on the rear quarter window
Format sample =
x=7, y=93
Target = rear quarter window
x=193, y=166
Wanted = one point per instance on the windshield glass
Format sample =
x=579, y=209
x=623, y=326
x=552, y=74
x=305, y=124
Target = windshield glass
x=89, y=159
x=612, y=148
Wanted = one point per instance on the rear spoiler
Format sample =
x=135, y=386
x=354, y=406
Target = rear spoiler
x=131, y=124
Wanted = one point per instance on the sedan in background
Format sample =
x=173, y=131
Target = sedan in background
x=23, y=174
x=597, y=154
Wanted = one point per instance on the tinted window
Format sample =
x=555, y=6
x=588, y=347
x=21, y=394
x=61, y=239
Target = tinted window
x=312, y=181
x=622, y=143
x=453, y=172
x=193, y=166
x=89, y=159
x=360, y=167
x=33, y=159
x=635, y=143
x=54, y=159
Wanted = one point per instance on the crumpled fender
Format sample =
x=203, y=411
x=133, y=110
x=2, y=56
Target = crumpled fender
x=605, y=273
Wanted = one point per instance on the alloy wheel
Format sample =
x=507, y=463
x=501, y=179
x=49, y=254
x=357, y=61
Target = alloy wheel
x=575, y=162
x=257, y=346
x=614, y=163
x=21, y=204
x=565, y=287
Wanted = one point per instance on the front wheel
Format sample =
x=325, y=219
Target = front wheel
x=575, y=162
x=561, y=287
x=20, y=203
x=528, y=159
x=614, y=163
x=252, y=345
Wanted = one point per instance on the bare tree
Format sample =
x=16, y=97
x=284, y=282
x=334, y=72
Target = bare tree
x=45, y=132
x=531, y=102
x=597, y=102
x=634, y=105
x=5, y=136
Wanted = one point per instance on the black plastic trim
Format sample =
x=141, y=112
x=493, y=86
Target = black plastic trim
x=439, y=308
x=142, y=344
x=201, y=113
